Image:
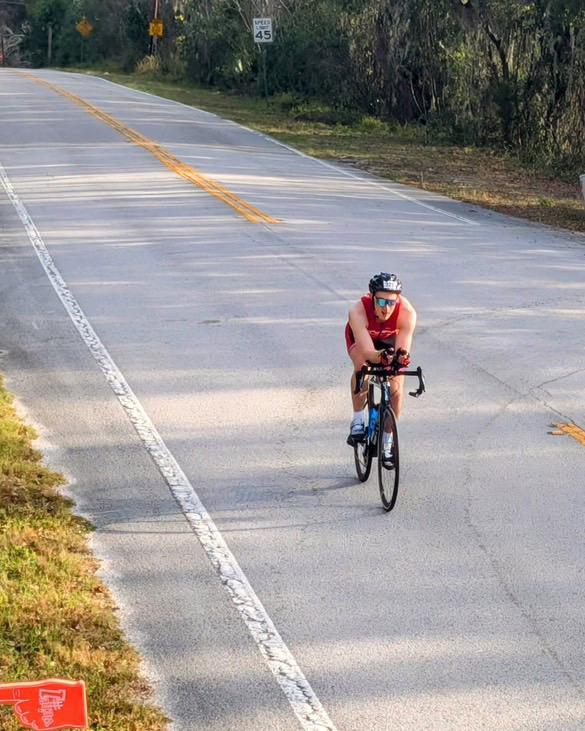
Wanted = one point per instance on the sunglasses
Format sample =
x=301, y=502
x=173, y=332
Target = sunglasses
x=381, y=302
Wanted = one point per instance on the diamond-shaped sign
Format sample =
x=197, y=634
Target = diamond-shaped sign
x=156, y=28
x=84, y=28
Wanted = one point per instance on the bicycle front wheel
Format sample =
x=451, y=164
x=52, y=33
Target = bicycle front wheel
x=388, y=469
x=362, y=452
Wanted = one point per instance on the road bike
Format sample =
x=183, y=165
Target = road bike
x=381, y=419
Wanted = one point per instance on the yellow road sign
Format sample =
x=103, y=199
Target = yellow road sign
x=156, y=28
x=84, y=28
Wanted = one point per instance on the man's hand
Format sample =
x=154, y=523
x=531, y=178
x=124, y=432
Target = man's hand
x=402, y=358
x=386, y=356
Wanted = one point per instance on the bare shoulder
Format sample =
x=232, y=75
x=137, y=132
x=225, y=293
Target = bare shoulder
x=406, y=304
x=407, y=316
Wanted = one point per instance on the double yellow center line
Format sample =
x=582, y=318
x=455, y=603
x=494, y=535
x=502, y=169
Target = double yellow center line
x=245, y=209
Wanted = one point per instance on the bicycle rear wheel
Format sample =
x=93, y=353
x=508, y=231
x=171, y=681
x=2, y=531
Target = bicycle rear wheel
x=363, y=453
x=388, y=473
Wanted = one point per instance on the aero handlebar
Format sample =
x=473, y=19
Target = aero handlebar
x=390, y=371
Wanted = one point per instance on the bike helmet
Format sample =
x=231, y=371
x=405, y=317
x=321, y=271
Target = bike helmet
x=385, y=282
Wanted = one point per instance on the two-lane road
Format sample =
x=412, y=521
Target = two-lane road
x=463, y=608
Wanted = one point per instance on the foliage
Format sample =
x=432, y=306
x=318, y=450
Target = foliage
x=312, y=58
x=216, y=46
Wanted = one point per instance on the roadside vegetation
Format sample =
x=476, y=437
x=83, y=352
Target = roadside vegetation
x=56, y=617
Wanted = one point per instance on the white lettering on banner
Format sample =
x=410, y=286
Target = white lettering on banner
x=51, y=701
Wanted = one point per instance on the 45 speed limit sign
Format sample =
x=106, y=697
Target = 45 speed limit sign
x=262, y=29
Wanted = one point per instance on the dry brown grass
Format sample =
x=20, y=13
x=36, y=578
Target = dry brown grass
x=485, y=179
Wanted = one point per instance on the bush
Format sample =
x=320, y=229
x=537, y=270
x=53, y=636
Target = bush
x=286, y=101
x=174, y=67
x=149, y=66
x=373, y=125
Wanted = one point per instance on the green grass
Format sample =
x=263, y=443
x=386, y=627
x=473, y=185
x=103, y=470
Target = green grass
x=56, y=617
x=477, y=176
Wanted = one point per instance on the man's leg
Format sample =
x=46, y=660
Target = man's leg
x=359, y=399
x=357, y=428
x=397, y=395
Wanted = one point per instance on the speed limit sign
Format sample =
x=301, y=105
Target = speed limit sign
x=262, y=30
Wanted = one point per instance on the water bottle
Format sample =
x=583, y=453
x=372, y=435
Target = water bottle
x=373, y=422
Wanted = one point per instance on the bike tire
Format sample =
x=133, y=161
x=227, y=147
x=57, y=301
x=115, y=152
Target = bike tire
x=363, y=454
x=388, y=478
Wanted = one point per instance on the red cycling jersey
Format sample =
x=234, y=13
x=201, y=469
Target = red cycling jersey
x=378, y=330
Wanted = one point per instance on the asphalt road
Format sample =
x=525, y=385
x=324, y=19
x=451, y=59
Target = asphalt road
x=464, y=607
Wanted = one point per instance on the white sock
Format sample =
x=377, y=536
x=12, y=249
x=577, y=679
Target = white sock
x=388, y=440
x=359, y=415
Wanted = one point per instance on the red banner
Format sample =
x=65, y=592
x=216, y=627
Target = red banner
x=47, y=704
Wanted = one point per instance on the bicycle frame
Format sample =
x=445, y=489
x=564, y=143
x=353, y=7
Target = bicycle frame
x=376, y=407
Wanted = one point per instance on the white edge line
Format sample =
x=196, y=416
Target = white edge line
x=337, y=169
x=383, y=186
x=280, y=660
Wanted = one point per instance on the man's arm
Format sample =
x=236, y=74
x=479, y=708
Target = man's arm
x=358, y=321
x=406, y=325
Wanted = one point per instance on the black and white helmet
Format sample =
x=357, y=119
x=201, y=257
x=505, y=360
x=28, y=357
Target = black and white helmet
x=385, y=282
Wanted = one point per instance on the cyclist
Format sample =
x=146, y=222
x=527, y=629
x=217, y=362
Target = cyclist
x=381, y=319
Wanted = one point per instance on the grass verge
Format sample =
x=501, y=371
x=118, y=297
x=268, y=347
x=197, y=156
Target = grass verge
x=56, y=617
x=477, y=176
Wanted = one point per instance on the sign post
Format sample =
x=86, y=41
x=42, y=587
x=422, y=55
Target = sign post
x=156, y=29
x=263, y=33
x=85, y=29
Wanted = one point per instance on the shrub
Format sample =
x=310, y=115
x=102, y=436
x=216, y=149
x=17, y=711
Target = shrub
x=286, y=101
x=175, y=67
x=373, y=125
x=149, y=66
